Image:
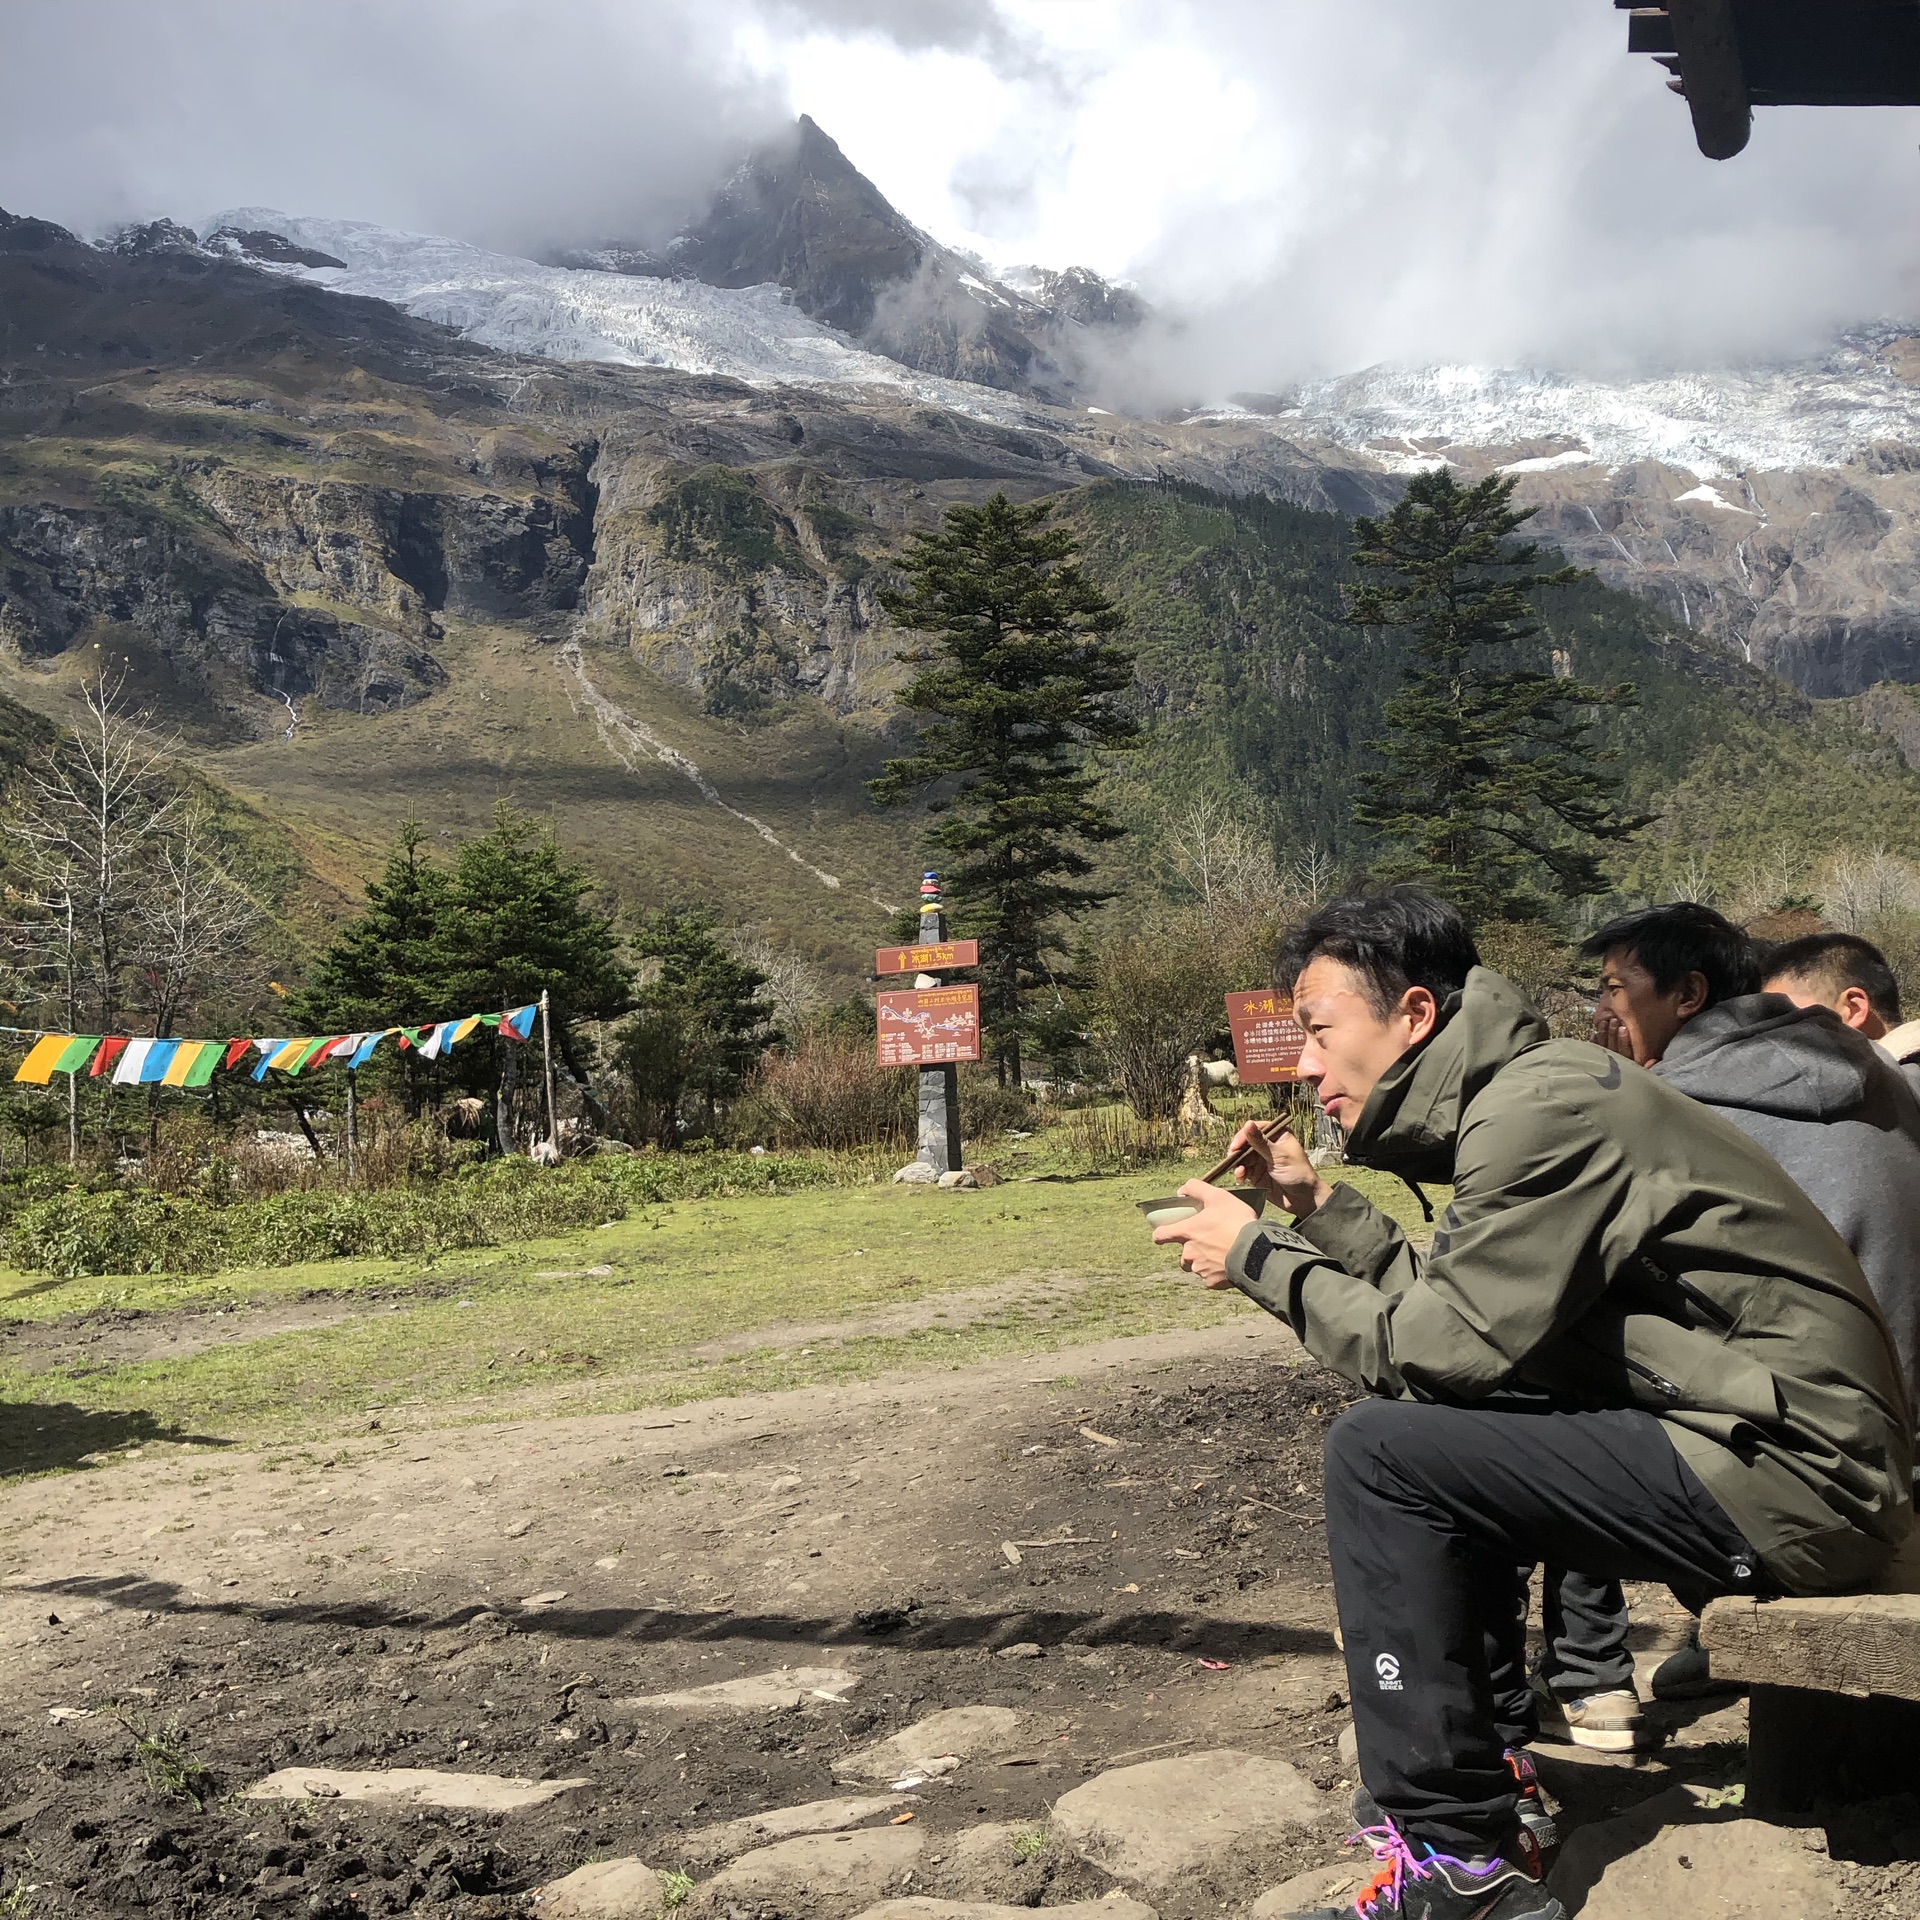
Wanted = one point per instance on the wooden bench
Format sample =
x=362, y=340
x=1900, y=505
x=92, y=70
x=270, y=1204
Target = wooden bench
x=1834, y=1710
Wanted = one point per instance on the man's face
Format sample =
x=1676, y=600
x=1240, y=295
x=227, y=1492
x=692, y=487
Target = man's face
x=1646, y=1018
x=1850, y=1003
x=1349, y=1046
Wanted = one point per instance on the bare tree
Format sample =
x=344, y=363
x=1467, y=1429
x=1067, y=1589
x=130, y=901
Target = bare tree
x=796, y=987
x=85, y=838
x=1857, y=888
x=193, y=918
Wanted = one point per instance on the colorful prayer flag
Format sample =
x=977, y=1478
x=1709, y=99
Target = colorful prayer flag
x=186, y=1058
x=202, y=1070
x=77, y=1053
x=111, y=1048
x=364, y=1052
x=127, y=1073
x=37, y=1068
x=465, y=1027
x=268, y=1048
x=158, y=1059
x=236, y=1052
x=519, y=1022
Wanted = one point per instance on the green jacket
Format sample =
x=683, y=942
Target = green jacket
x=1615, y=1243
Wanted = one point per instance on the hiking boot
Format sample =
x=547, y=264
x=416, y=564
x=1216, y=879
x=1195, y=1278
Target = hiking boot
x=1611, y=1721
x=1530, y=1804
x=1687, y=1675
x=1417, y=1883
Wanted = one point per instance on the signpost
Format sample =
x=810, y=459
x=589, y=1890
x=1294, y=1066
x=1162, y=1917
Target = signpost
x=932, y=1026
x=928, y=959
x=929, y=1025
x=1267, y=1040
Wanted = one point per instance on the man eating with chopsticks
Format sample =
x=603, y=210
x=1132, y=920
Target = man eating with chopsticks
x=1635, y=1347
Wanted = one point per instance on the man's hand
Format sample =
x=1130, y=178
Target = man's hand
x=1207, y=1237
x=1610, y=1031
x=1283, y=1169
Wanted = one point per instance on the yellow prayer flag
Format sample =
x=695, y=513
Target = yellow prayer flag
x=291, y=1052
x=181, y=1064
x=37, y=1068
x=465, y=1027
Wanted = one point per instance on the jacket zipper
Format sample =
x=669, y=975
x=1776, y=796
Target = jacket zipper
x=1658, y=1381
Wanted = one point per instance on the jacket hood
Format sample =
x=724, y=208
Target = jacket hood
x=1764, y=1054
x=1412, y=1118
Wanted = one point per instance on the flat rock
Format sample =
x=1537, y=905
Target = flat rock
x=1673, y=1855
x=917, y=1173
x=1116, y=1906
x=821, y=1875
x=1317, y=1887
x=603, y=1890
x=959, y=1733
x=418, y=1786
x=730, y=1837
x=1154, y=1823
x=779, y=1691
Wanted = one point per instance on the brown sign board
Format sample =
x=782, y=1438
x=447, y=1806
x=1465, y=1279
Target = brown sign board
x=1266, y=1037
x=930, y=959
x=929, y=1026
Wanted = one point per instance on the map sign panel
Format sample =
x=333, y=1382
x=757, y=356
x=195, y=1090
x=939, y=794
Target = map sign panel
x=928, y=959
x=1266, y=1037
x=929, y=1026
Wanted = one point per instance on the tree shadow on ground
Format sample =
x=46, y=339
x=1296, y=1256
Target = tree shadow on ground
x=38, y=1436
x=918, y=1630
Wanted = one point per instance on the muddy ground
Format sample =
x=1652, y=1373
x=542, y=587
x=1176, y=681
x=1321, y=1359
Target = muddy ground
x=496, y=1597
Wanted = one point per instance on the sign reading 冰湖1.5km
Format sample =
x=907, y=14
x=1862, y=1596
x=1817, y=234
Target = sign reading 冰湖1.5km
x=929, y=1026
x=927, y=959
x=1266, y=1038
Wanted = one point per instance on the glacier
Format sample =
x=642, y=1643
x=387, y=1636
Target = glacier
x=1824, y=410
x=751, y=334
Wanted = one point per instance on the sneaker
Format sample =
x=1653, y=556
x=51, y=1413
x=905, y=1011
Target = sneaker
x=1416, y=1883
x=1611, y=1721
x=1530, y=1804
x=1687, y=1675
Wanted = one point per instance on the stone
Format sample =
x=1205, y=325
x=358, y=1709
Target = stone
x=1020, y=1650
x=1672, y=1854
x=1116, y=1906
x=958, y=1177
x=730, y=1837
x=1157, y=1822
x=418, y=1786
x=917, y=1173
x=779, y=1691
x=603, y=1890
x=1317, y=1887
x=958, y=1733
x=821, y=1875
x=1348, y=1747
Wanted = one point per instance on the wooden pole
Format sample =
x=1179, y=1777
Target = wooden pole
x=546, y=1053
x=353, y=1125
x=73, y=1119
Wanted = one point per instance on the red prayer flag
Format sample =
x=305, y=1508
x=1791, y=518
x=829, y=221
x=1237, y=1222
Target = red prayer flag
x=236, y=1049
x=111, y=1049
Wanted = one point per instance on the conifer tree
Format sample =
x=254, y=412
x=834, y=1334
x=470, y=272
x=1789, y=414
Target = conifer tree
x=1494, y=790
x=700, y=1023
x=1017, y=697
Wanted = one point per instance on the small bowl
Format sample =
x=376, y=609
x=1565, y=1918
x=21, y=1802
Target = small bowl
x=1163, y=1213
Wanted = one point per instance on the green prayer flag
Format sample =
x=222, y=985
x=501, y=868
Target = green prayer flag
x=203, y=1069
x=78, y=1052
x=307, y=1052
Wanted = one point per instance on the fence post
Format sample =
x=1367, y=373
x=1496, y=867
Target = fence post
x=353, y=1125
x=546, y=1052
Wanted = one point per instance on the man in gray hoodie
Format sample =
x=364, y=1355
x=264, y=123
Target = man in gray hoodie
x=1804, y=1082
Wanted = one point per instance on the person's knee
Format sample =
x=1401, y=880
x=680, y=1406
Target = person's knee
x=1358, y=1442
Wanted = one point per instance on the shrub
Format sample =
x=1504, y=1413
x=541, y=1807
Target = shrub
x=1158, y=996
x=827, y=1090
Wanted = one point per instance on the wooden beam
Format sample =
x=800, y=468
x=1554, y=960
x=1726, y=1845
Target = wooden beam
x=1711, y=75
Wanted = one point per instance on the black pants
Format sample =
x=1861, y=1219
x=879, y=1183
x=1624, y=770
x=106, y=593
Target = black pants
x=1429, y=1511
x=1585, y=1622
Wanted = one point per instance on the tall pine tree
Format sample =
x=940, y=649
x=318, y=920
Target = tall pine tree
x=1494, y=791
x=1017, y=695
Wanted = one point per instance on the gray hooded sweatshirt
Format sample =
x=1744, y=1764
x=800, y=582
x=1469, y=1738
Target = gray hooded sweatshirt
x=1842, y=1122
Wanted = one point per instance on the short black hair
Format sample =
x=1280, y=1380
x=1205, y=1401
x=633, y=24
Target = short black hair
x=1836, y=961
x=1674, y=941
x=1393, y=938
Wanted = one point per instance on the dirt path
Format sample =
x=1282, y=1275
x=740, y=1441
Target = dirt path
x=1142, y=1512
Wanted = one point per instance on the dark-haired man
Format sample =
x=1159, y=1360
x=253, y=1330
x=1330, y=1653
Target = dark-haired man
x=1635, y=1347
x=1850, y=975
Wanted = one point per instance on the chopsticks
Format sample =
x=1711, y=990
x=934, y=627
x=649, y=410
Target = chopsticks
x=1269, y=1130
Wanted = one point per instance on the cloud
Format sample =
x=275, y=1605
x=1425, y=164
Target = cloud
x=509, y=122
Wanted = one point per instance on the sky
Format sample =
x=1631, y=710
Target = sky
x=1299, y=188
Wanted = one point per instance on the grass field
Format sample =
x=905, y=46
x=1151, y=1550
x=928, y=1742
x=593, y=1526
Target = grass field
x=677, y=1302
